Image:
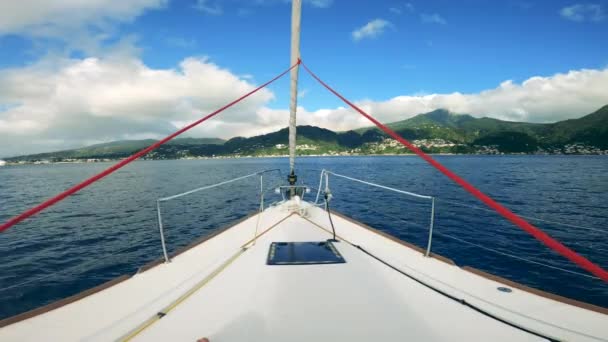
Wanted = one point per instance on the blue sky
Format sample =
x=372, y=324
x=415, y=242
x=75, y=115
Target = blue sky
x=386, y=55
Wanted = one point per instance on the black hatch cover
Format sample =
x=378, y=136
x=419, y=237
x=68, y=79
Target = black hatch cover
x=303, y=253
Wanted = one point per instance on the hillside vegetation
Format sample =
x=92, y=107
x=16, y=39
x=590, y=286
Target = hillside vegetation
x=439, y=131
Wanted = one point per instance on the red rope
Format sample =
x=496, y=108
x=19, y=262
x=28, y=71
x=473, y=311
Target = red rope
x=84, y=184
x=506, y=213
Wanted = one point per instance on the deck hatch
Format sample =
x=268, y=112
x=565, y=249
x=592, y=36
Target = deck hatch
x=303, y=253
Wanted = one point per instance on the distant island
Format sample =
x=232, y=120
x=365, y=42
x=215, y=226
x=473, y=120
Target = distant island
x=439, y=131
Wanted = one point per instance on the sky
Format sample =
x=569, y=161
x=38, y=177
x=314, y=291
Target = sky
x=80, y=72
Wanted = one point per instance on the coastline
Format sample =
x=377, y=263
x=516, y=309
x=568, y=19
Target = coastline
x=108, y=160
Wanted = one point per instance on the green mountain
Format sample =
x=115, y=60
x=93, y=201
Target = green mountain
x=591, y=129
x=463, y=128
x=439, y=131
x=116, y=149
x=507, y=136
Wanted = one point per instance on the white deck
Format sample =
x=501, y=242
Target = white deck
x=361, y=300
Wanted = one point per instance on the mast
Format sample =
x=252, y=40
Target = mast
x=296, y=10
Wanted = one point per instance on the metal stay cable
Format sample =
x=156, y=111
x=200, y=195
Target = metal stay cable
x=524, y=216
x=164, y=199
x=487, y=200
x=59, y=197
x=497, y=251
x=380, y=186
x=514, y=256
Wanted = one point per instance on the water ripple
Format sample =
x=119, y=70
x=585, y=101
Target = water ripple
x=110, y=228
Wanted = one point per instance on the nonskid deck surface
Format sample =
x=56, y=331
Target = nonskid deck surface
x=235, y=296
x=360, y=300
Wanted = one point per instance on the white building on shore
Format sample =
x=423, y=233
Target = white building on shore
x=2, y=162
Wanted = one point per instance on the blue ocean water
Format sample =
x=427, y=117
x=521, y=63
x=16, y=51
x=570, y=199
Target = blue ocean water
x=109, y=229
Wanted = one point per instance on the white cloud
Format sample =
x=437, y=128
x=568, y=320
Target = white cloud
x=51, y=18
x=208, y=7
x=371, y=30
x=538, y=99
x=583, y=12
x=433, y=18
x=64, y=103
x=64, y=26
x=400, y=8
